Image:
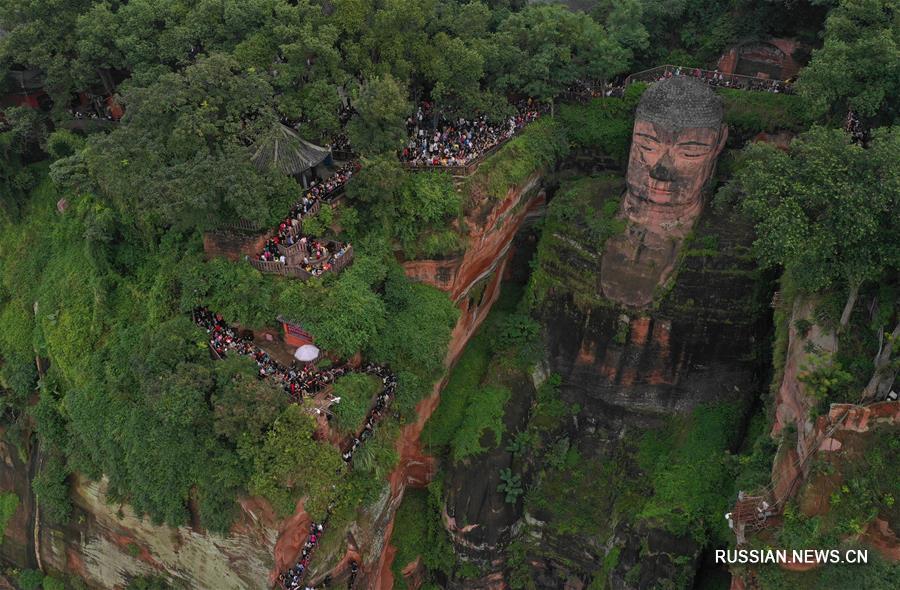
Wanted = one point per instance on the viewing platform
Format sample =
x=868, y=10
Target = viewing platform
x=333, y=263
x=713, y=78
x=461, y=170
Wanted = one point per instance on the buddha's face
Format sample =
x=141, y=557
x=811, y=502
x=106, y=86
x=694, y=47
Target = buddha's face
x=668, y=168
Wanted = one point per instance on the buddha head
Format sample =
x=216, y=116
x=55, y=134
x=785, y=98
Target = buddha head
x=678, y=135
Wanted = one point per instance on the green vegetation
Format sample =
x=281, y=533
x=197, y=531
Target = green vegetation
x=541, y=145
x=132, y=393
x=419, y=532
x=36, y=580
x=474, y=399
x=356, y=392
x=580, y=218
x=604, y=124
x=672, y=458
x=290, y=445
x=750, y=113
x=654, y=479
x=413, y=210
x=9, y=501
x=511, y=486
x=863, y=482
x=101, y=255
x=817, y=218
x=859, y=65
x=814, y=209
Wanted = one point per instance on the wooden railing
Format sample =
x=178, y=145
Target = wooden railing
x=242, y=225
x=736, y=81
x=343, y=261
x=338, y=263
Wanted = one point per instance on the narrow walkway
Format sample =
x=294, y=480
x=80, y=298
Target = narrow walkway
x=300, y=383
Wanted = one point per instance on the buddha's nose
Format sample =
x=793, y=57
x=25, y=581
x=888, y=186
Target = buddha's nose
x=664, y=170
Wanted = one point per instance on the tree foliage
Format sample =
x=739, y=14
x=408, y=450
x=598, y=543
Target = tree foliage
x=291, y=464
x=858, y=66
x=825, y=210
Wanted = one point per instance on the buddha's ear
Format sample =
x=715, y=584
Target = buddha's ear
x=723, y=137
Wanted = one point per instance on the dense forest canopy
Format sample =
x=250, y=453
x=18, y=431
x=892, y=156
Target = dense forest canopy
x=105, y=289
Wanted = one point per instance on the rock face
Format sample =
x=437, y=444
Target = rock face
x=18, y=544
x=107, y=545
x=652, y=322
x=626, y=370
x=478, y=518
x=697, y=345
x=233, y=245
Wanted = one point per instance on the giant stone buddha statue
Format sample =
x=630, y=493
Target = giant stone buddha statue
x=678, y=135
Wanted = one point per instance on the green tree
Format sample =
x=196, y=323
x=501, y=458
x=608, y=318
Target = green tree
x=544, y=48
x=181, y=154
x=291, y=464
x=382, y=109
x=816, y=213
x=858, y=66
x=27, y=132
x=44, y=35
x=242, y=404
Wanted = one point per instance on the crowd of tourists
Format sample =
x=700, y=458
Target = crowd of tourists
x=315, y=256
x=389, y=383
x=291, y=579
x=596, y=89
x=298, y=381
x=723, y=80
x=436, y=140
x=855, y=128
x=341, y=141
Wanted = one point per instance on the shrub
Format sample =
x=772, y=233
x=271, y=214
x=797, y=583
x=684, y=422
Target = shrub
x=750, y=113
x=484, y=412
x=511, y=486
x=9, y=501
x=356, y=392
x=419, y=532
x=542, y=144
x=30, y=579
x=604, y=124
x=320, y=223
x=52, y=491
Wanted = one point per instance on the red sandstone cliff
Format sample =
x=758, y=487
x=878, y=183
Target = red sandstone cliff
x=839, y=435
x=472, y=280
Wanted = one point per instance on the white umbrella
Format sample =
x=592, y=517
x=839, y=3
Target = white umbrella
x=306, y=353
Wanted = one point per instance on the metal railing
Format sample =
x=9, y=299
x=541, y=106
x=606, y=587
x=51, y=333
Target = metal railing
x=735, y=81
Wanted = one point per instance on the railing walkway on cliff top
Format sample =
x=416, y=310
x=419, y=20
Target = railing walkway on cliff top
x=713, y=78
x=462, y=169
x=338, y=263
